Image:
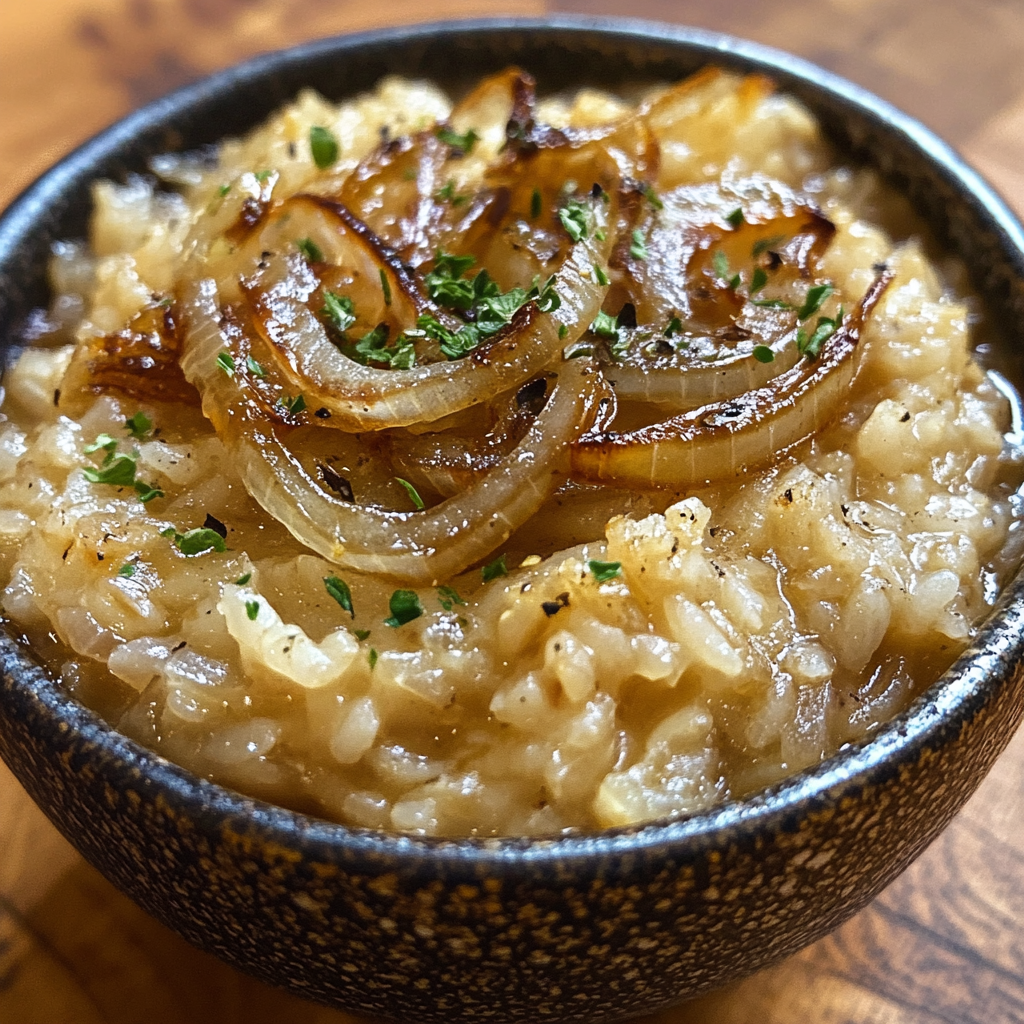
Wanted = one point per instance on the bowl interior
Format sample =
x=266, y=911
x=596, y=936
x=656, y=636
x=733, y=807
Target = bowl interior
x=963, y=212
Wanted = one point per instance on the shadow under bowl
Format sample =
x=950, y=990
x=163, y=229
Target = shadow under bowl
x=582, y=927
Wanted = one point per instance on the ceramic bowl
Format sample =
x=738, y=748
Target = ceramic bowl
x=583, y=927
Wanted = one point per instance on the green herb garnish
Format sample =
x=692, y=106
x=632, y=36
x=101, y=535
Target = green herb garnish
x=604, y=571
x=252, y=609
x=652, y=197
x=599, y=275
x=292, y=405
x=323, y=145
x=575, y=218
x=758, y=281
x=826, y=327
x=816, y=295
x=452, y=138
x=638, y=248
x=373, y=658
x=414, y=495
x=127, y=571
x=254, y=368
x=225, y=361
x=360, y=634
x=448, y=596
x=374, y=348
x=535, y=204
x=385, y=287
x=339, y=590
x=340, y=310
x=243, y=579
x=138, y=426
x=405, y=606
x=195, y=542
x=494, y=569
x=763, y=354
x=736, y=217
x=449, y=193
x=675, y=326
x=309, y=249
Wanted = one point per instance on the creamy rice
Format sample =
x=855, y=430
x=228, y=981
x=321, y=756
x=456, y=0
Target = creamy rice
x=649, y=651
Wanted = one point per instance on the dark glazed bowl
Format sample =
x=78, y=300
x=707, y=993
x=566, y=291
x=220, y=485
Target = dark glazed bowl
x=582, y=928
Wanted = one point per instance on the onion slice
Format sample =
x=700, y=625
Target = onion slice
x=725, y=438
x=365, y=398
x=420, y=547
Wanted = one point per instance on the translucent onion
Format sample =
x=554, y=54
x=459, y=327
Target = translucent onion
x=365, y=398
x=725, y=438
x=421, y=547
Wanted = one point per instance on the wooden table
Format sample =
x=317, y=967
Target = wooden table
x=944, y=943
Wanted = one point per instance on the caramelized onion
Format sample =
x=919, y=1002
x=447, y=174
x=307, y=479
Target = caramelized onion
x=724, y=438
x=140, y=362
x=363, y=397
x=420, y=547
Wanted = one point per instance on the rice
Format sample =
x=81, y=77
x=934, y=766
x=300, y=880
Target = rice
x=633, y=656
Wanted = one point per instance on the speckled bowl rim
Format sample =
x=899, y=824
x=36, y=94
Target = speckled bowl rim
x=932, y=719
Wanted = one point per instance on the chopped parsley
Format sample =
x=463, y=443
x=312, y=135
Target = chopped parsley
x=606, y=325
x=735, y=218
x=488, y=308
x=339, y=590
x=414, y=495
x=563, y=331
x=535, y=204
x=448, y=596
x=721, y=264
x=118, y=469
x=291, y=405
x=763, y=354
x=385, y=287
x=340, y=310
x=226, y=362
x=405, y=606
x=449, y=193
x=772, y=303
x=252, y=609
x=360, y=634
x=600, y=277
x=638, y=248
x=463, y=143
x=309, y=249
x=127, y=571
x=652, y=197
x=138, y=426
x=816, y=295
x=243, y=579
x=675, y=326
x=759, y=280
x=195, y=542
x=323, y=145
x=373, y=658
x=494, y=569
x=374, y=348
x=575, y=218
x=223, y=190
x=604, y=571
x=262, y=176
x=254, y=368
x=826, y=327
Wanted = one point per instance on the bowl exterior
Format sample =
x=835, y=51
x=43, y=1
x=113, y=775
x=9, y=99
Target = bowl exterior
x=412, y=931
x=571, y=928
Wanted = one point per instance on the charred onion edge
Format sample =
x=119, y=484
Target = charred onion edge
x=420, y=547
x=724, y=438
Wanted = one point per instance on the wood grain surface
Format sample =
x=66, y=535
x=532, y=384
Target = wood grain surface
x=944, y=943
